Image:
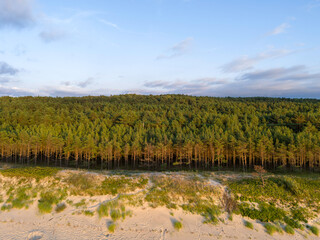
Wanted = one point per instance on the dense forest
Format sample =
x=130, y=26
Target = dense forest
x=161, y=132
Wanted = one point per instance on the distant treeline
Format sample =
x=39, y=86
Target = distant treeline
x=161, y=132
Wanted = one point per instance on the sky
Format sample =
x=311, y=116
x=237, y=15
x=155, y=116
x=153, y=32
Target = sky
x=196, y=47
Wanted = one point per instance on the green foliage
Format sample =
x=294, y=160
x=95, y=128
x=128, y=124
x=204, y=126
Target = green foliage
x=48, y=198
x=248, y=224
x=292, y=223
x=314, y=230
x=115, y=214
x=177, y=225
x=88, y=213
x=104, y=208
x=283, y=191
x=6, y=207
x=87, y=130
x=112, y=227
x=45, y=207
x=81, y=184
x=114, y=185
x=30, y=172
x=19, y=197
x=82, y=203
x=271, y=229
x=300, y=214
x=265, y=213
x=89, y=184
x=288, y=229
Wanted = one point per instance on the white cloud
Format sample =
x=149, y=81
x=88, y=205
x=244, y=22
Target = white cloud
x=51, y=35
x=179, y=49
x=105, y=22
x=16, y=13
x=6, y=69
x=246, y=63
x=279, y=29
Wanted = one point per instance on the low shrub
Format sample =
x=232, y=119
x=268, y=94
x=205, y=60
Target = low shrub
x=6, y=207
x=265, y=213
x=292, y=223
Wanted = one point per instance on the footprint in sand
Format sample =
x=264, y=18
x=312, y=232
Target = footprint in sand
x=35, y=235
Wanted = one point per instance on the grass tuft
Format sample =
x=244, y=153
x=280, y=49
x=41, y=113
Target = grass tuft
x=88, y=213
x=248, y=224
x=289, y=230
x=112, y=227
x=271, y=229
x=177, y=225
x=115, y=214
x=314, y=230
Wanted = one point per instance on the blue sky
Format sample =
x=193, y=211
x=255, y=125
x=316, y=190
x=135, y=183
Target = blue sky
x=197, y=47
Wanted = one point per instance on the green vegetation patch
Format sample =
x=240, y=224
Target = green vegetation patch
x=265, y=212
x=314, y=230
x=112, y=227
x=49, y=198
x=177, y=225
x=30, y=172
x=281, y=192
x=271, y=228
x=89, y=184
x=248, y=224
x=192, y=195
x=20, y=197
x=288, y=229
x=115, y=185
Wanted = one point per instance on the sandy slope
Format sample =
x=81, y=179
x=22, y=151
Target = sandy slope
x=146, y=223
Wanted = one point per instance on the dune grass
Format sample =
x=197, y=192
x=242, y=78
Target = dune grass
x=112, y=227
x=313, y=229
x=271, y=228
x=248, y=224
x=177, y=225
x=30, y=172
x=288, y=229
x=192, y=195
x=88, y=213
x=48, y=198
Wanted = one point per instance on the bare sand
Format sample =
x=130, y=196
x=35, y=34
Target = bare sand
x=146, y=223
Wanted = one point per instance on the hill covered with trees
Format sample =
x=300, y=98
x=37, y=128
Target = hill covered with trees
x=161, y=132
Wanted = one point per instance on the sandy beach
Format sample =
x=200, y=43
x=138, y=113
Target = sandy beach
x=142, y=222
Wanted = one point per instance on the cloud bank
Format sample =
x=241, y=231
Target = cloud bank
x=246, y=63
x=6, y=69
x=16, y=13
